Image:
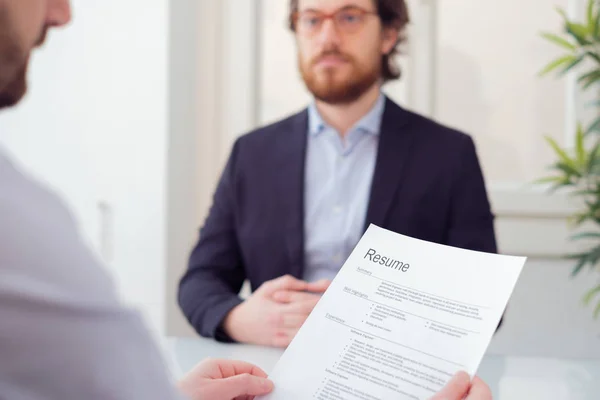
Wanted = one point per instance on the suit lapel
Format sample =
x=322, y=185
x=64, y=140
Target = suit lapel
x=290, y=182
x=392, y=156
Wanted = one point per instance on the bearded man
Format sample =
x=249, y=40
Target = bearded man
x=296, y=196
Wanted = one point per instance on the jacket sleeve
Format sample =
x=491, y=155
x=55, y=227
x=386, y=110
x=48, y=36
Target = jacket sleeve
x=471, y=219
x=209, y=289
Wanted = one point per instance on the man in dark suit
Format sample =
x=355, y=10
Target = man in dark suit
x=296, y=196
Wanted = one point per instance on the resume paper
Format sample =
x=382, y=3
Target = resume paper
x=399, y=320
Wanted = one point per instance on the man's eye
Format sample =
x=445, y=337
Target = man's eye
x=311, y=21
x=349, y=18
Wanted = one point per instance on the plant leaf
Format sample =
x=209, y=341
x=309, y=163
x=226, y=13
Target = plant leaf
x=581, y=218
x=589, y=78
x=591, y=81
x=595, y=56
x=564, y=157
x=579, y=266
x=597, y=25
x=565, y=60
x=561, y=12
x=593, y=167
x=593, y=256
x=585, y=235
x=581, y=155
x=597, y=311
x=565, y=182
x=559, y=41
x=575, y=256
x=569, y=170
x=585, y=192
x=573, y=64
x=593, y=162
x=589, y=296
x=593, y=103
x=579, y=32
x=590, y=13
x=548, y=179
x=594, y=126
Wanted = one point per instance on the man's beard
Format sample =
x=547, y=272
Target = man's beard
x=14, y=91
x=14, y=62
x=330, y=89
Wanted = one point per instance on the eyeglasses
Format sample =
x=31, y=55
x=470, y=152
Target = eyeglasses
x=346, y=20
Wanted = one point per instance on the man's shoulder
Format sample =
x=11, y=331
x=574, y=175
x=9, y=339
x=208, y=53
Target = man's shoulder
x=59, y=307
x=429, y=129
x=42, y=248
x=274, y=131
x=22, y=195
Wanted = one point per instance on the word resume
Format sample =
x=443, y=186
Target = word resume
x=399, y=320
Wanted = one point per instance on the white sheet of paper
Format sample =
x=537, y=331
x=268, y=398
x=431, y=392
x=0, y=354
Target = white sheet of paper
x=399, y=320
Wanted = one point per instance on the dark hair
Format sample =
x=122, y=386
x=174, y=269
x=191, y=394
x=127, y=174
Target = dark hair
x=393, y=14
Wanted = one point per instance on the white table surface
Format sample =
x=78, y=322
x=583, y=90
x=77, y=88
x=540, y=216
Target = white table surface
x=511, y=378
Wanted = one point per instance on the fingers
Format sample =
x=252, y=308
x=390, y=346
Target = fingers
x=241, y=367
x=290, y=283
x=319, y=286
x=283, y=296
x=302, y=307
x=224, y=379
x=290, y=296
x=293, y=321
x=456, y=389
x=286, y=327
x=245, y=385
x=219, y=369
x=286, y=282
x=479, y=390
x=283, y=338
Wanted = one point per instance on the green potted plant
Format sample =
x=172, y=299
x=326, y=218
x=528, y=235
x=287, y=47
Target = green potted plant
x=577, y=167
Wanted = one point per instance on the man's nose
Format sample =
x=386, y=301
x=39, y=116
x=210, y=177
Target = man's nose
x=59, y=13
x=328, y=35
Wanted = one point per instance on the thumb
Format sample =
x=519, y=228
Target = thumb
x=319, y=286
x=245, y=384
x=456, y=389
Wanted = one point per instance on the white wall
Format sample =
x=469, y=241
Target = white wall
x=195, y=135
x=94, y=126
x=487, y=84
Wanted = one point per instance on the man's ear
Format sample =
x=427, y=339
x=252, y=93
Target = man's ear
x=390, y=37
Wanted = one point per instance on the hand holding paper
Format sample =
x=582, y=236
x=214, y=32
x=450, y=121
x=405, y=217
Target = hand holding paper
x=401, y=318
x=461, y=387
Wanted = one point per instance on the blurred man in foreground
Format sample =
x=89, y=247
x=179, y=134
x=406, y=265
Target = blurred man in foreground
x=64, y=335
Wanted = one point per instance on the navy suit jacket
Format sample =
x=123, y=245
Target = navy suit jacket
x=427, y=184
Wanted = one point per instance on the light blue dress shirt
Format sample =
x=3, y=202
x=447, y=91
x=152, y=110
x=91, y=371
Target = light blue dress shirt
x=338, y=180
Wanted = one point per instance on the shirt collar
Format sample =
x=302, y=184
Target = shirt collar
x=370, y=123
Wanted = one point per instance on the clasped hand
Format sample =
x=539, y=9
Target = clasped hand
x=275, y=312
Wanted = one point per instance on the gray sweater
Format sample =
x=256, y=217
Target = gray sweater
x=64, y=335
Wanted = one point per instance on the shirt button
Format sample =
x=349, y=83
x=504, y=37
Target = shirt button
x=337, y=209
x=337, y=258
